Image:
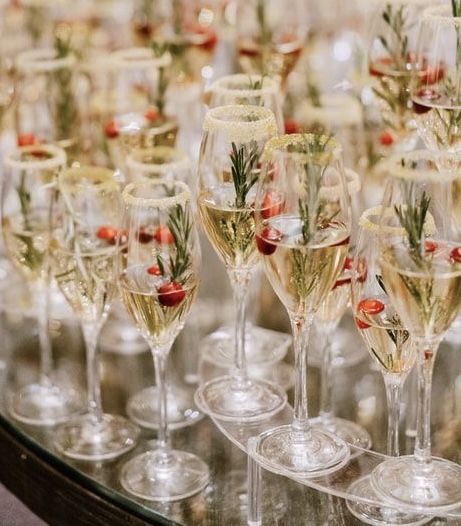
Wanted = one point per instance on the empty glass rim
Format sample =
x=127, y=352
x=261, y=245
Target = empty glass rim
x=43, y=60
x=74, y=178
x=226, y=119
x=353, y=185
x=394, y=166
x=58, y=158
x=380, y=211
x=281, y=144
x=162, y=203
x=228, y=85
x=179, y=160
x=335, y=109
x=441, y=14
x=138, y=57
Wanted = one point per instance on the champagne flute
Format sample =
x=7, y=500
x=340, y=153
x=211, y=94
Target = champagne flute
x=422, y=277
x=228, y=170
x=389, y=345
x=84, y=257
x=29, y=189
x=303, y=242
x=158, y=284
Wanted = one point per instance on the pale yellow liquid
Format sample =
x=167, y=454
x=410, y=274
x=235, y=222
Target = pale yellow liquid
x=158, y=323
x=332, y=309
x=302, y=276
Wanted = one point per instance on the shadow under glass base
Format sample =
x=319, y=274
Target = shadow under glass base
x=404, y=482
x=142, y=408
x=225, y=398
x=165, y=477
x=87, y=439
x=286, y=452
x=45, y=405
x=352, y=433
x=379, y=515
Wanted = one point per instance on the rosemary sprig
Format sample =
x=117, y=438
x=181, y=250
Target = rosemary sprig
x=159, y=49
x=180, y=225
x=257, y=84
x=313, y=94
x=397, y=23
x=244, y=176
x=265, y=32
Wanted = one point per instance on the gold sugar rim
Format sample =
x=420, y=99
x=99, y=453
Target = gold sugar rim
x=161, y=203
x=58, y=159
x=380, y=211
x=181, y=162
x=73, y=178
x=219, y=87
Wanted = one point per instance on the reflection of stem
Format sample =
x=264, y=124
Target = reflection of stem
x=42, y=300
x=393, y=393
x=326, y=380
x=160, y=359
x=90, y=334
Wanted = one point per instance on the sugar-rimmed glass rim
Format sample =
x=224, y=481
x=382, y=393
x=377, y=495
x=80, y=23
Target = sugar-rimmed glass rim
x=441, y=14
x=228, y=120
x=224, y=86
x=279, y=146
x=138, y=58
x=180, y=160
x=43, y=61
x=162, y=203
x=58, y=159
x=100, y=178
x=393, y=166
x=380, y=211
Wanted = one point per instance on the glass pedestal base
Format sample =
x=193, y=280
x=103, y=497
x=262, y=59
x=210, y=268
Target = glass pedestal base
x=45, y=405
x=164, y=476
x=350, y=432
x=87, y=439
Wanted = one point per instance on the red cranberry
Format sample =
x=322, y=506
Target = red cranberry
x=361, y=324
x=386, y=139
x=430, y=246
x=144, y=236
x=107, y=233
x=27, y=139
x=266, y=240
x=455, y=255
x=154, y=270
x=291, y=126
x=425, y=94
x=171, y=294
x=370, y=306
x=272, y=205
x=111, y=130
x=163, y=235
x=151, y=114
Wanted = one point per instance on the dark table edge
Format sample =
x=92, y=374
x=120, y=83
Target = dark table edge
x=58, y=493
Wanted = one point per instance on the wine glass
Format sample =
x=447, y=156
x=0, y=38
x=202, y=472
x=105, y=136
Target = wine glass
x=422, y=277
x=233, y=139
x=390, y=346
x=303, y=240
x=270, y=36
x=327, y=319
x=256, y=90
x=159, y=282
x=435, y=87
x=29, y=189
x=391, y=59
x=84, y=254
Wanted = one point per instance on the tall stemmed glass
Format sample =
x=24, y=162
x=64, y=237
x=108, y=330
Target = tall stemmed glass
x=422, y=277
x=84, y=254
x=303, y=243
x=234, y=137
x=28, y=192
x=389, y=345
x=159, y=284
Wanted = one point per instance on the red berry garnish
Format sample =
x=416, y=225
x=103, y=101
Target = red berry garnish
x=163, y=235
x=362, y=271
x=144, y=29
x=370, y=306
x=144, y=236
x=348, y=263
x=107, y=233
x=171, y=294
x=361, y=324
x=431, y=75
x=27, y=139
x=376, y=67
x=386, y=139
x=154, y=270
x=249, y=50
x=291, y=126
x=151, y=114
x=428, y=355
x=425, y=94
x=340, y=282
x=455, y=254
x=111, y=130
x=272, y=204
x=210, y=41
x=430, y=246
x=266, y=240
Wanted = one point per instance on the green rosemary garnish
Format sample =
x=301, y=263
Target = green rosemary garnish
x=398, y=46
x=313, y=94
x=159, y=49
x=456, y=8
x=257, y=84
x=244, y=176
x=265, y=32
x=180, y=225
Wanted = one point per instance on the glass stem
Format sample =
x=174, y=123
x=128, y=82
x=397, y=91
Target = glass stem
x=90, y=335
x=326, y=381
x=425, y=363
x=160, y=360
x=301, y=329
x=240, y=280
x=42, y=305
x=393, y=394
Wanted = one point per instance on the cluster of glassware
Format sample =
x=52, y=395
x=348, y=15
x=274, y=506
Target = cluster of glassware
x=128, y=231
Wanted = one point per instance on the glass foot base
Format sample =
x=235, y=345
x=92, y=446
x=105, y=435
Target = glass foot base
x=165, y=477
x=283, y=451
x=350, y=432
x=379, y=515
x=45, y=405
x=405, y=483
x=262, y=346
x=224, y=399
x=142, y=408
x=86, y=439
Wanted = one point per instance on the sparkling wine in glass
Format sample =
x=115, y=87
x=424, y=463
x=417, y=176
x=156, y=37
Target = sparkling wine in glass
x=303, y=243
x=28, y=192
x=233, y=139
x=158, y=283
x=421, y=273
x=85, y=251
